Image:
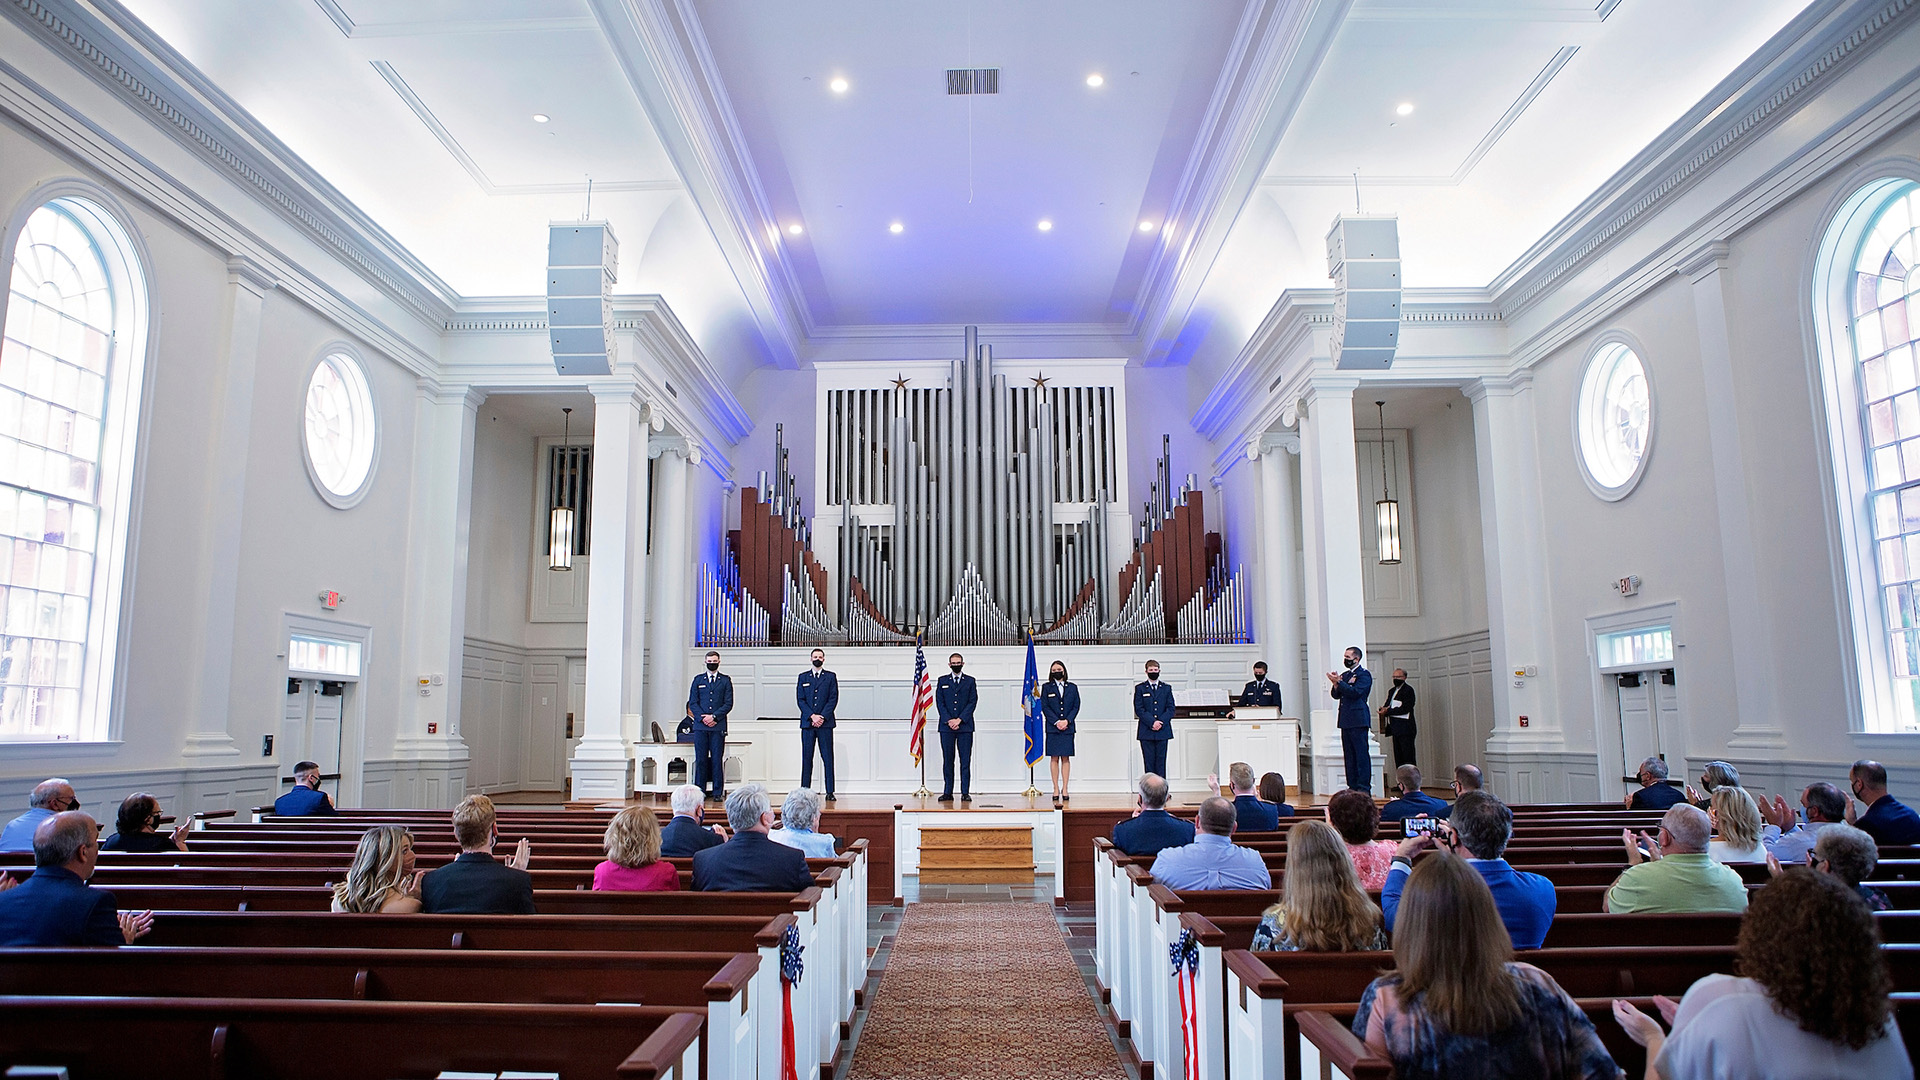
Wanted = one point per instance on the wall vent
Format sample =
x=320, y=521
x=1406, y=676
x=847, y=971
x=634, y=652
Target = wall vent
x=973, y=81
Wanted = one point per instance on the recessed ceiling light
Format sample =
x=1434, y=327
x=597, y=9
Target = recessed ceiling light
x=896, y=227
x=1096, y=79
x=1146, y=226
x=1405, y=108
x=795, y=229
x=1045, y=225
x=838, y=85
x=541, y=118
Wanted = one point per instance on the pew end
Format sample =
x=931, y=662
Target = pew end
x=1326, y=1042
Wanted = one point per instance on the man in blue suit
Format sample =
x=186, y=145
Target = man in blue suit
x=1151, y=829
x=684, y=836
x=1479, y=830
x=1412, y=801
x=1153, y=720
x=56, y=906
x=710, y=699
x=1350, y=689
x=751, y=861
x=818, y=692
x=955, y=696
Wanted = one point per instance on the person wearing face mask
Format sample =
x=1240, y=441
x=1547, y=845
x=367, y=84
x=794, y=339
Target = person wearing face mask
x=818, y=692
x=1153, y=717
x=1261, y=691
x=1059, y=707
x=1886, y=819
x=1350, y=688
x=1396, y=718
x=710, y=699
x=955, y=696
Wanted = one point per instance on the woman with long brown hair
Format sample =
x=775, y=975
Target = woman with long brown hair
x=382, y=877
x=1458, y=1005
x=1812, y=1001
x=1322, y=907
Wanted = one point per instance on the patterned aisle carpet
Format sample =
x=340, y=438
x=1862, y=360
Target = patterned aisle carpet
x=980, y=991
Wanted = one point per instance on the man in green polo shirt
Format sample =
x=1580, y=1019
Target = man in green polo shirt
x=1675, y=874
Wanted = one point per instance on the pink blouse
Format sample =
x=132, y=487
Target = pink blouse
x=657, y=876
x=1372, y=860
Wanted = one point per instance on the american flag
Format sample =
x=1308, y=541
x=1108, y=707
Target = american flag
x=922, y=702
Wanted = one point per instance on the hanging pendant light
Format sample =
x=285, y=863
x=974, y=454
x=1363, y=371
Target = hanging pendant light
x=1386, y=512
x=560, y=519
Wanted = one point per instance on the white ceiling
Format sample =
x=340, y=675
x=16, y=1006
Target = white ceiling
x=420, y=112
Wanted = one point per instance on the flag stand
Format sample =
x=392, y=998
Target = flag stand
x=1033, y=789
x=923, y=792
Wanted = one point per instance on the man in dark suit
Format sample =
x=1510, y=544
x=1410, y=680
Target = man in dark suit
x=1887, y=819
x=1153, y=720
x=710, y=699
x=56, y=906
x=751, y=861
x=1396, y=718
x=1350, y=689
x=818, y=692
x=684, y=836
x=1251, y=813
x=476, y=883
x=1151, y=829
x=1260, y=691
x=1654, y=792
x=1412, y=801
x=955, y=696
x=306, y=797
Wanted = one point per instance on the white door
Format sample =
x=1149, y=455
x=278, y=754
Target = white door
x=310, y=728
x=1639, y=728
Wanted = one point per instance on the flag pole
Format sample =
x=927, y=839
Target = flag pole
x=923, y=792
x=1033, y=691
x=1033, y=789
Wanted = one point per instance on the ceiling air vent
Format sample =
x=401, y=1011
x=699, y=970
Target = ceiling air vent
x=973, y=81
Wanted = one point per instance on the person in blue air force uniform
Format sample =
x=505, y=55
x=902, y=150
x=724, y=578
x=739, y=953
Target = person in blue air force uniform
x=1350, y=689
x=818, y=692
x=710, y=699
x=1059, y=708
x=1153, y=716
x=955, y=696
x=1261, y=691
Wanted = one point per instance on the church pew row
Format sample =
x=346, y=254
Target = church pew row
x=743, y=1036
x=108, y=1038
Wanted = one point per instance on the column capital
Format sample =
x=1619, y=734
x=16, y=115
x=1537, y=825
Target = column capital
x=1274, y=442
x=431, y=390
x=687, y=448
x=1513, y=382
x=250, y=275
x=1704, y=261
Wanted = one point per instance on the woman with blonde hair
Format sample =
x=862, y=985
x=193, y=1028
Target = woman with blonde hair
x=1322, y=908
x=382, y=878
x=633, y=855
x=1736, y=820
x=1457, y=1005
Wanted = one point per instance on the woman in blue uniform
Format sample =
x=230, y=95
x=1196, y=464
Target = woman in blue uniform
x=1059, y=706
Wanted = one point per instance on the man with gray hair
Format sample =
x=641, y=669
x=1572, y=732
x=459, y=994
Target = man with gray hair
x=1654, y=792
x=1788, y=842
x=684, y=836
x=56, y=906
x=751, y=861
x=1151, y=829
x=798, y=817
x=1673, y=874
x=49, y=797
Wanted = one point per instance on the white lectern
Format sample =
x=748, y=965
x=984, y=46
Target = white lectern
x=1261, y=737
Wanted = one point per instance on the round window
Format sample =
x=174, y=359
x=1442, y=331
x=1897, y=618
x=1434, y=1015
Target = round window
x=1615, y=421
x=339, y=429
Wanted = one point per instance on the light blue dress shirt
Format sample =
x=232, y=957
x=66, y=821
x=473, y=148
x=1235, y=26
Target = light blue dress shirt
x=1211, y=862
x=815, y=845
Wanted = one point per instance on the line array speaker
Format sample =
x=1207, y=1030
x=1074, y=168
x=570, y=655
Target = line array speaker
x=581, y=257
x=1363, y=259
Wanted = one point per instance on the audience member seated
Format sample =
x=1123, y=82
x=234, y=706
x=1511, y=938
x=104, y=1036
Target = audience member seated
x=1848, y=854
x=134, y=827
x=476, y=883
x=1213, y=860
x=1322, y=907
x=382, y=878
x=1716, y=775
x=56, y=906
x=1251, y=812
x=1273, y=789
x=1887, y=819
x=1812, y=999
x=1356, y=817
x=49, y=797
x=1412, y=802
x=1822, y=804
x=1151, y=829
x=1479, y=830
x=1737, y=821
x=1655, y=793
x=751, y=861
x=1466, y=778
x=1674, y=874
x=633, y=862
x=684, y=836
x=798, y=816
x=1457, y=1005
x=306, y=798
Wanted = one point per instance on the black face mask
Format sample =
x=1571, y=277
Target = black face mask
x=1351, y=662
x=818, y=663
x=1399, y=682
x=1058, y=676
x=1153, y=676
x=713, y=667
x=956, y=668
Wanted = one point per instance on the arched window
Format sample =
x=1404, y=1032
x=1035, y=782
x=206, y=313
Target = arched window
x=1865, y=283
x=70, y=372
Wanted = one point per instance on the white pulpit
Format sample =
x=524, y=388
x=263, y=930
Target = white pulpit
x=1261, y=737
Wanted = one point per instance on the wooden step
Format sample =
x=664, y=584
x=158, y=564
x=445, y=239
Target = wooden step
x=962, y=856
x=950, y=858
x=976, y=876
x=1009, y=837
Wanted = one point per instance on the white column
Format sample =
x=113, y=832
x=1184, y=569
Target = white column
x=1336, y=597
x=616, y=628
x=224, y=502
x=1512, y=531
x=1279, y=567
x=1748, y=617
x=436, y=620
x=666, y=691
